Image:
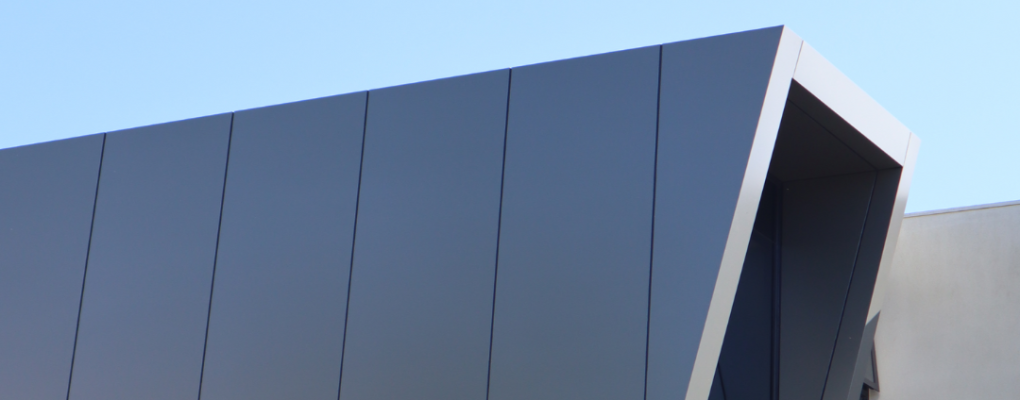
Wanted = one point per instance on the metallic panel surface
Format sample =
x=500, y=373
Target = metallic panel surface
x=717, y=392
x=424, y=261
x=859, y=294
x=277, y=316
x=948, y=328
x=721, y=104
x=822, y=221
x=309, y=255
x=839, y=93
x=146, y=293
x=806, y=149
x=841, y=129
x=745, y=361
x=46, y=197
x=891, y=237
x=572, y=285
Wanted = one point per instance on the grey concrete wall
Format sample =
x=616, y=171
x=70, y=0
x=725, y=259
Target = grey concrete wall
x=951, y=317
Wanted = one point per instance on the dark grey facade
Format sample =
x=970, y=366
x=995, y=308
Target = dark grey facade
x=701, y=219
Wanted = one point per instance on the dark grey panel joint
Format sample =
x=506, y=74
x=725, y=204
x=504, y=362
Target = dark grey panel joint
x=84, y=274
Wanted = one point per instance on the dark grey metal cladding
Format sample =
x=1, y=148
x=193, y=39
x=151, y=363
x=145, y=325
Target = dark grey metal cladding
x=746, y=357
x=277, y=316
x=712, y=94
x=805, y=149
x=424, y=261
x=839, y=128
x=717, y=392
x=822, y=222
x=46, y=197
x=862, y=285
x=572, y=285
x=146, y=293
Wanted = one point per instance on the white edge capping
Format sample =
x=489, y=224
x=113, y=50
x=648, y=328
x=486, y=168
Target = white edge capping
x=895, y=221
x=712, y=336
x=846, y=99
x=962, y=209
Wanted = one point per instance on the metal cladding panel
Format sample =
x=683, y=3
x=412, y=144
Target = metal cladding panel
x=150, y=267
x=717, y=392
x=893, y=233
x=824, y=117
x=425, y=255
x=46, y=198
x=862, y=284
x=823, y=220
x=277, y=316
x=712, y=96
x=745, y=362
x=572, y=283
x=806, y=149
x=825, y=82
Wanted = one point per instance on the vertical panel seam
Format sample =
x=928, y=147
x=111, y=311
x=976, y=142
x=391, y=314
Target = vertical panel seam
x=354, y=238
x=722, y=381
x=800, y=50
x=727, y=255
x=651, y=245
x=853, y=270
x=216, y=254
x=777, y=258
x=499, y=227
x=777, y=291
x=906, y=151
x=84, y=275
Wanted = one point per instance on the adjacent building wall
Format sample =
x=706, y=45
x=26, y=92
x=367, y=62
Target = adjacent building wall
x=951, y=319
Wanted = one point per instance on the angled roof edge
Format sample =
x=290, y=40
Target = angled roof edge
x=963, y=209
x=849, y=101
x=770, y=116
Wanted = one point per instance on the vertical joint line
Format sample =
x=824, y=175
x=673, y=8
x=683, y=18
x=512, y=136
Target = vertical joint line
x=722, y=381
x=777, y=266
x=216, y=255
x=853, y=270
x=354, y=239
x=777, y=287
x=651, y=246
x=499, y=228
x=800, y=50
x=85, y=271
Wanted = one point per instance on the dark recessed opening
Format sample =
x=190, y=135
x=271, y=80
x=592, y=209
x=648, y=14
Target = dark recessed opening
x=811, y=262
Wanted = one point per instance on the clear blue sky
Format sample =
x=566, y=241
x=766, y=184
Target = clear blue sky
x=947, y=70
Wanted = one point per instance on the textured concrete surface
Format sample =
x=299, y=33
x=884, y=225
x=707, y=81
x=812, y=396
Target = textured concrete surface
x=950, y=325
